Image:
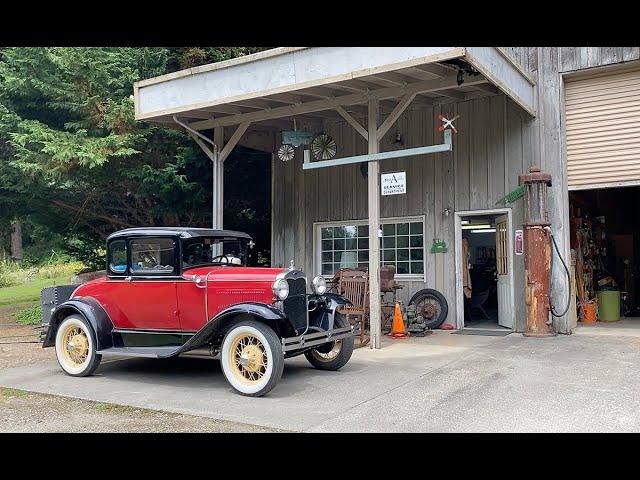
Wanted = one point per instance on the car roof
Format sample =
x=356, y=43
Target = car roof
x=182, y=232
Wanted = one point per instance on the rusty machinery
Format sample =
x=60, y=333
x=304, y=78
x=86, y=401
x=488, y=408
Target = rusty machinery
x=538, y=259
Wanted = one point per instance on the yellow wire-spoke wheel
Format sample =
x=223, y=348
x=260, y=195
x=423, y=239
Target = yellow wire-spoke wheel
x=330, y=355
x=75, y=345
x=248, y=359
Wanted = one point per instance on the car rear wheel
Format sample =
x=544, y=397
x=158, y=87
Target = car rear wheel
x=333, y=355
x=252, y=358
x=76, y=347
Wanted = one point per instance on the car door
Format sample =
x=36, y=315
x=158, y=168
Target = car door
x=144, y=296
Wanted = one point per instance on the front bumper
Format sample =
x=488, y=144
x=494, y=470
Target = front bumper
x=315, y=338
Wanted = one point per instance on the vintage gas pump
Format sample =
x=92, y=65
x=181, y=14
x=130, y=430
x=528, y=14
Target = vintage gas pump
x=537, y=253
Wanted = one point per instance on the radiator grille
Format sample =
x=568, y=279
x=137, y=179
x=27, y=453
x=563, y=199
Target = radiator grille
x=295, y=306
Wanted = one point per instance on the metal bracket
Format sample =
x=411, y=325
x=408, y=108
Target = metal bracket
x=447, y=146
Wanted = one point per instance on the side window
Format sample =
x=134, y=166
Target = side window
x=152, y=256
x=118, y=257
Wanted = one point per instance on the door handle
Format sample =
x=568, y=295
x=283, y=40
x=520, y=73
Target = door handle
x=128, y=279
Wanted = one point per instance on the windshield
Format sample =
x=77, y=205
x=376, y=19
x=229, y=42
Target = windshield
x=214, y=251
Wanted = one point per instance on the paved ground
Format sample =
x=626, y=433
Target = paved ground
x=584, y=382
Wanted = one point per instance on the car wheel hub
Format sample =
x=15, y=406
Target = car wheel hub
x=76, y=345
x=248, y=359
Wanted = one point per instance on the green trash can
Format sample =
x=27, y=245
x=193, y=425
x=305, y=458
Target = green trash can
x=608, y=305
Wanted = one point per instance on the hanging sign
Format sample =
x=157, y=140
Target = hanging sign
x=512, y=196
x=518, y=243
x=393, y=183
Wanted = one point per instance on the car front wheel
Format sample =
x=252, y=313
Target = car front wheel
x=252, y=358
x=332, y=355
x=76, y=347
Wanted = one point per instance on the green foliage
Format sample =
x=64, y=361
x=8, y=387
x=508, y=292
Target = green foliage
x=75, y=165
x=29, y=316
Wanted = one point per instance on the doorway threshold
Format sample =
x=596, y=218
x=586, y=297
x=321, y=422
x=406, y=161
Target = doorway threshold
x=488, y=332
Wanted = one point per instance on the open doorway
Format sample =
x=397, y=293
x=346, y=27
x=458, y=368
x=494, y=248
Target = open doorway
x=484, y=270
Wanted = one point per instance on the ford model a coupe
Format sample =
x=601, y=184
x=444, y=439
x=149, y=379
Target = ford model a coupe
x=170, y=291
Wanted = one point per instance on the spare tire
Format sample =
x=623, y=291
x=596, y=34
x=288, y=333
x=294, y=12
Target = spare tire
x=431, y=307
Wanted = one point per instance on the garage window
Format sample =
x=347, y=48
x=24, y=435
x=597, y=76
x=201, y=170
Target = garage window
x=346, y=245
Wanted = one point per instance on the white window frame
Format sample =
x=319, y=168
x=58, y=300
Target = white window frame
x=317, y=232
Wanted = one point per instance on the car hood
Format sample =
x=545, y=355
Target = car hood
x=231, y=273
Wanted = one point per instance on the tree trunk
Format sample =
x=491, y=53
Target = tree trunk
x=16, y=241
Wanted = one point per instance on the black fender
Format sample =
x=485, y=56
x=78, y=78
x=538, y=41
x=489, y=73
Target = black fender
x=323, y=318
x=92, y=311
x=268, y=314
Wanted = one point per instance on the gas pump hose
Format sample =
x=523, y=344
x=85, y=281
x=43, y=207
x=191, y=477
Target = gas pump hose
x=553, y=308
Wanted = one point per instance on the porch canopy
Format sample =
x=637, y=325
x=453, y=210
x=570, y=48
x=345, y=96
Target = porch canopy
x=268, y=90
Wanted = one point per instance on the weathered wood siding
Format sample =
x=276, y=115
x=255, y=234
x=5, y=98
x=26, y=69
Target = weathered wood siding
x=547, y=65
x=491, y=150
x=497, y=142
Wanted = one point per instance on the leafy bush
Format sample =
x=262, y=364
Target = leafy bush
x=60, y=269
x=29, y=316
x=11, y=273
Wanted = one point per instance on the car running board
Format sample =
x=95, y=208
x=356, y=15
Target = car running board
x=146, y=352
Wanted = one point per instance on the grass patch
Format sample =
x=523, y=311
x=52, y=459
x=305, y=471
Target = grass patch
x=12, y=392
x=29, y=316
x=29, y=292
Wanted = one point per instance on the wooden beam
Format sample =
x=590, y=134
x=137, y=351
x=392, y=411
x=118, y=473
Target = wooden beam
x=288, y=98
x=319, y=92
x=394, y=78
x=218, y=183
x=456, y=94
x=356, y=98
x=233, y=141
x=227, y=109
x=373, y=200
x=353, y=122
x=395, y=114
x=437, y=70
x=256, y=103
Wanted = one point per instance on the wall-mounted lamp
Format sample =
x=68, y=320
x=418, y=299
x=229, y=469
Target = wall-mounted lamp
x=398, y=139
x=446, y=212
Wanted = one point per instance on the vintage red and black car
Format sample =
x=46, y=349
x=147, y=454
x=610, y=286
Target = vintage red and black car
x=170, y=291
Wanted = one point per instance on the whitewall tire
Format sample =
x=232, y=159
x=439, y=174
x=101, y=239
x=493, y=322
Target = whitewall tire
x=252, y=358
x=76, y=347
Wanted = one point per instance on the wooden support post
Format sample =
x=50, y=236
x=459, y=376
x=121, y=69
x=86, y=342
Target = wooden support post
x=374, y=226
x=218, y=179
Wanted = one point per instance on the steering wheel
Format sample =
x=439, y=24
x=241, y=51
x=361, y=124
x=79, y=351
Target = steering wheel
x=215, y=259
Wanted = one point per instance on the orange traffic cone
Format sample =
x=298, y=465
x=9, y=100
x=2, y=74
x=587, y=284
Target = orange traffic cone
x=397, y=327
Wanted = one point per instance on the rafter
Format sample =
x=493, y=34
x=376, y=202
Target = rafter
x=319, y=105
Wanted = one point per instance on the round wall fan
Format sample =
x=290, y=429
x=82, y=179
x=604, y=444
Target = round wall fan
x=286, y=152
x=323, y=147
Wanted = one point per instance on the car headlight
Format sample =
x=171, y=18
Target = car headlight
x=319, y=285
x=280, y=289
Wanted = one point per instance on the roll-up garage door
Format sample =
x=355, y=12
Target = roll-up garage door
x=603, y=130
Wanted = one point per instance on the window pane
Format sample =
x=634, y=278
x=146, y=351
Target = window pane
x=403, y=254
x=389, y=242
x=416, y=227
x=327, y=245
x=388, y=255
x=327, y=257
x=402, y=242
x=363, y=256
x=337, y=256
x=402, y=267
x=363, y=244
x=350, y=232
x=403, y=229
x=152, y=256
x=417, y=267
x=363, y=265
x=118, y=254
x=417, y=254
x=349, y=260
x=352, y=244
x=338, y=244
x=338, y=232
x=327, y=269
x=389, y=229
x=363, y=230
x=416, y=241
x=327, y=232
